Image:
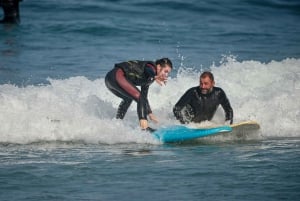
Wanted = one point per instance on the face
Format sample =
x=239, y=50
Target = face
x=163, y=73
x=206, y=85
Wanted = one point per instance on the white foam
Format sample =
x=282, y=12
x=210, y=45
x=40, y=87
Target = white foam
x=78, y=109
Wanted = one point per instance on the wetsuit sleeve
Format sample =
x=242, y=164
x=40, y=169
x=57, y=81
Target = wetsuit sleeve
x=227, y=107
x=144, y=93
x=149, y=74
x=182, y=102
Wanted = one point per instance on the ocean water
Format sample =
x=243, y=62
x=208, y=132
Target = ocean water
x=58, y=136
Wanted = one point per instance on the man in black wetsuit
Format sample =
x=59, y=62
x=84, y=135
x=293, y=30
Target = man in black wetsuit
x=10, y=11
x=124, y=78
x=201, y=102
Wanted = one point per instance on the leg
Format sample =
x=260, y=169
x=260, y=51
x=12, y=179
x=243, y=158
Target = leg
x=134, y=93
x=123, y=107
x=111, y=82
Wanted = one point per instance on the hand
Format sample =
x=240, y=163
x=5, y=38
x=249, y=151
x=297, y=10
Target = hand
x=153, y=118
x=143, y=123
x=161, y=80
x=228, y=122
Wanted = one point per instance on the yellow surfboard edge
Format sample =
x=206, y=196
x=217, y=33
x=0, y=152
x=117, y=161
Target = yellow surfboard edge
x=252, y=124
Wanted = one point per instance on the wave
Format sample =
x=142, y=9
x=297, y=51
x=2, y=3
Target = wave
x=79, y=109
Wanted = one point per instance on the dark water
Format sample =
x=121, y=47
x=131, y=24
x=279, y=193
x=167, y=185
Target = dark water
x=75, y=38
x=58, y=138
x=265, y=170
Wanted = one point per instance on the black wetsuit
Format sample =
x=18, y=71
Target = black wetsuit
x=194, y=106
x=122, y=82
x=11, y=11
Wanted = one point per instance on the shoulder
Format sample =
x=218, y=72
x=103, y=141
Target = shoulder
x=192, y=90
x=150, y=68
x=150, y=64
x=218, y=91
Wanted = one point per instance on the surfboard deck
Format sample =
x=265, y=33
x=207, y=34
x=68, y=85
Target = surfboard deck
x=180, y=133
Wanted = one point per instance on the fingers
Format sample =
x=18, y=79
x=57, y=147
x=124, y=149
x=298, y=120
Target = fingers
x=153, y=118
x=161, y=81
x=143, y=123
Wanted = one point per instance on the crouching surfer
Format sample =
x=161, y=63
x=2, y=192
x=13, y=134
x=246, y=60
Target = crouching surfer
x=124, y=78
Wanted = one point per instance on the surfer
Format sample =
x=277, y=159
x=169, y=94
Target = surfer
x=10, y=11
x=123, y=79
x=201, y=102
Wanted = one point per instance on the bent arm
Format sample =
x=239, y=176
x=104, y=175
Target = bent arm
x=182, y=102
x=227, y=107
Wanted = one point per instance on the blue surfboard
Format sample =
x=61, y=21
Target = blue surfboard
x=180, y=133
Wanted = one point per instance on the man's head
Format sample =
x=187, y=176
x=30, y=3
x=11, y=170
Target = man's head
x=207, y=82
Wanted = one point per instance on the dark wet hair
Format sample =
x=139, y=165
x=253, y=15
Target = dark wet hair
x=207, y=74
x=163, y=62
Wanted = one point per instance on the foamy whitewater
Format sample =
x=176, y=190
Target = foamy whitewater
x=79, y=109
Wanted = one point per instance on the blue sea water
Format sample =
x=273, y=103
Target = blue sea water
x=58, y=136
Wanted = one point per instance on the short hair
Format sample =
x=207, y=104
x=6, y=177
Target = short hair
x=163, y=62
x=207, y=74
